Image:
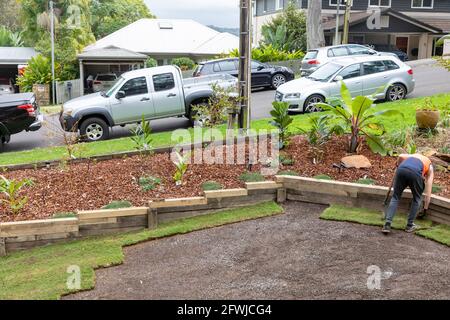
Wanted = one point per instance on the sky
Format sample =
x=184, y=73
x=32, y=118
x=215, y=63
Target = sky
x=221, y=13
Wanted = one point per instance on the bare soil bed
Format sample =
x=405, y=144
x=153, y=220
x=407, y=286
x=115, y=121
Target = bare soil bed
x=91, y=185
x=291, y=256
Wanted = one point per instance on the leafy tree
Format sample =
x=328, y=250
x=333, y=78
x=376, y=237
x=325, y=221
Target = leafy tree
x=9, y=38
x=151, y=63
x=289, y=26
x=72, y=31
x=109, y=16
x=184, y=63
x=8, y=14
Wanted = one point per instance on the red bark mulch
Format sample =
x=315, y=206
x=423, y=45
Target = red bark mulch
x=89, y=186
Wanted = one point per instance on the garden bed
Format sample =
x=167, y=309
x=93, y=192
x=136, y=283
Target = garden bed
x=91, y=185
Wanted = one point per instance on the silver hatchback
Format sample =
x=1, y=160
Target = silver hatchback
x=363, y=75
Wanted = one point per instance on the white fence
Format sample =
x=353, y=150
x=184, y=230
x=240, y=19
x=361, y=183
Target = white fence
x=67, y=90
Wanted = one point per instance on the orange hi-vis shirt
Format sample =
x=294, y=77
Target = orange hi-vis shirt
x=426, y=162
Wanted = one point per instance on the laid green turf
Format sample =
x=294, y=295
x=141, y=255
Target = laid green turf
x=365, y=216
x=439, y=233
x=163, y=139
x=41, y=273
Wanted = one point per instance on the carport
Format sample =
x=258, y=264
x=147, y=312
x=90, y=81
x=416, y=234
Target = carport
x=12, y=59
x=108, y=60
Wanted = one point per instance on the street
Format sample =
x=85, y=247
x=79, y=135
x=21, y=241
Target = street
x=430, y=79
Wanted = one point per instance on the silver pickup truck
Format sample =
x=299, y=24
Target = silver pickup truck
x=154, y=93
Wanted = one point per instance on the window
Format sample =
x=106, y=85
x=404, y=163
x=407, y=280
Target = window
x=227, y=65
x=333, y=3
x=135, y=86
x=311, y=54
x=338, y=52
x=279, y=4
x=256, y=65
x=373, y=67
x=379, y=3
x=391, y=65
x=356, y=50
x=423, y=4
x=162, y=82
x=352, y=71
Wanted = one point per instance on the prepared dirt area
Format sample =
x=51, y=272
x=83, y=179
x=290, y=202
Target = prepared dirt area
x=292, y=256
x=94, y=184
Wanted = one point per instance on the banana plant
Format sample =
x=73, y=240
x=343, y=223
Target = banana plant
x=357, y=115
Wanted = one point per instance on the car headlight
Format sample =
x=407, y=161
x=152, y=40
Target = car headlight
x=292, y=95
x=67, y=111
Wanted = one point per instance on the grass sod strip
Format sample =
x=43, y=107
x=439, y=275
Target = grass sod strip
x=164, y=139
x=438, y=233
x=41, y=273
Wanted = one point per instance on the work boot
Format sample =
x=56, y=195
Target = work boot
x=411, y=228
x=387, y=228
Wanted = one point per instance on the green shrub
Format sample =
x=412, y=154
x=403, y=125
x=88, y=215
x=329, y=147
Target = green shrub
x=62, y=215
x=151, y=63
x=149, y=183
x=287, y=173
x=251, y=177
x=38, y=71
x=184, y=63
x=11, y=192
x=120, y=204
x=323, y=177
x=365, y=181
x=142, y=136
x=211, y=185
x=270, y=54
x=281, y=120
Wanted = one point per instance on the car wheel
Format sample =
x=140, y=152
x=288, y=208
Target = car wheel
x=94, y=129
x=311, y=103
x=396, y=92
x=278, y=80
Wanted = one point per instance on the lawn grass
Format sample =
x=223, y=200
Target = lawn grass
x=41, y=273
x=164, y=139
x=50, y=109
x=439, y=233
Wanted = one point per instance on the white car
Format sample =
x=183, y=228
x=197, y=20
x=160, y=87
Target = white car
x=6, y=86
x=363, y=75
x=104, y=82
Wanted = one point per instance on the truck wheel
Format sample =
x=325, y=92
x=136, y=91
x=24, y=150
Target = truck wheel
x=94, y=129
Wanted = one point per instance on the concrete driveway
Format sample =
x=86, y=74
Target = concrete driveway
x=430, y=79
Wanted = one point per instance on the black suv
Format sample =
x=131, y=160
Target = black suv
x=392, y=49
x=263, y=75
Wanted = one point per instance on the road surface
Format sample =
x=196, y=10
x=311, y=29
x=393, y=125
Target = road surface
x=430, y=78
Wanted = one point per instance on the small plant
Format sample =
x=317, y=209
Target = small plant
x=286, y=160
x=142, y=136
x=401, y=141
x=281, y=120
x=149, y=183
x=323, y=177
x=181, y=167
x=366, y=181
x=11, y=189
x=436, y=188
x=356, y=114
x=428, y=105
x=251, y=177
x=62, y=215
x=211, y=185
x=121, y=204
x=287, y=173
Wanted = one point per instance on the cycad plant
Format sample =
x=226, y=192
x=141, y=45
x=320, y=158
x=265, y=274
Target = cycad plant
x=357, y=115
x=281, y=120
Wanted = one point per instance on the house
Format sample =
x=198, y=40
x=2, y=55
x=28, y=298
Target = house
x=411, y=25
x=164, y=39
x=12, y=61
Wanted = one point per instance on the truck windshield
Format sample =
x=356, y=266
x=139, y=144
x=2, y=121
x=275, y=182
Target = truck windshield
x=116, y=85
